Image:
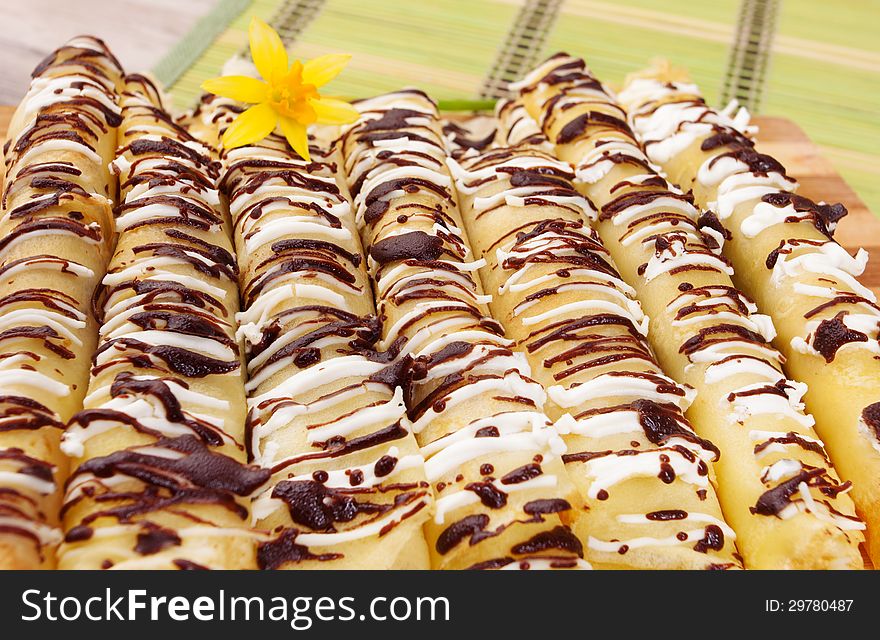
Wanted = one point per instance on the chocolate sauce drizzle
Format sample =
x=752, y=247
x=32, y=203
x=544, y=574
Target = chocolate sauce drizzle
x=428, y=297
x=685, y=114
x=168, y=360
x=676, y=240
x=321, y=486
x=591, y=343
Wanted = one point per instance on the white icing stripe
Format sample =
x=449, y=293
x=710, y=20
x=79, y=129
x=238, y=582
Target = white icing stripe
x=789, y=406
x=38, y=382
x=796, y=260
x=645, y=541
x=449, y=502
x=507, y=423
x=388, y=413
x=68, y=328
x=810, y=505
x=457, y=453
x=612, y=469
x=26, y=482
x=578, y=308
x=47, y=535
x=295, y=226
x=511, y=383
x=608, y=385
x=319, y=375
x=48, y=263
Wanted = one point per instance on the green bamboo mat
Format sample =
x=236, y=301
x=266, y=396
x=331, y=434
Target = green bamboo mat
x=824, y=73
x=444, y=47
x=221, y=35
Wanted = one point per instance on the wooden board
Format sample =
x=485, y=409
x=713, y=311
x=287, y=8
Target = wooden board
x=785, y=141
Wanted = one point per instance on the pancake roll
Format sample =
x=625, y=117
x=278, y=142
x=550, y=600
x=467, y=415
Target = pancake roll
x=786, y=258
x=326, y=409
x=56, y=235
x=644, y=476
x=503, y=499
x=159, y=478
x=776, y=485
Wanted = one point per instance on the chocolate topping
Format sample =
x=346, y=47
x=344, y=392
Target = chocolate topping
x=489, y=495
x=663, y=422
x=557, y=538
x=392, y=119
x=318, y=507
x=725, y=137
x=707, y=336
x=284, y=549
x=452, y=351
x=187, y=565
x=125, y=384
x=47, y=224
x=773, y=501
x=19, y=412
x=198, y=466
x=181, y=361
x=823, y=216
x=708, y=220
x=156, y=539
x=712, y=539
x=552, y=505
x=521, y=474
x=384, y=466
x=832, y=334
x=79, y=533
x=638, y=198
x=667, y=514
x=871, y=418
x=578, y=125
x=410, y=184
x=792, y=438
x=758, y=163
x=467, y=527
x=416, y=245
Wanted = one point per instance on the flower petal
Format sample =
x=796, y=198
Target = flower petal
x=267, y=50
x=333, y=111
x=321, y=70
x=241, y=88
x=251, y=126
x=296, y=136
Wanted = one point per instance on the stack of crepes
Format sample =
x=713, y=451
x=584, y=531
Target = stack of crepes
x=499, y=342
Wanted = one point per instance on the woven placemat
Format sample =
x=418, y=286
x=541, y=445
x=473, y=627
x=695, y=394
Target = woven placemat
x=750, y=53
x=825, y=70
x=201, y=54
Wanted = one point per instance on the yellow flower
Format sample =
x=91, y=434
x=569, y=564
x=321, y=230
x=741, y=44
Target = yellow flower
x=289, y=96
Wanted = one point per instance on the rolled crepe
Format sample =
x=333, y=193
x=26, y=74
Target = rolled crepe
x=56, y=235
x=502, y=495
x=327, y=416
x=160, y=479
x=782, y=248
x=776, y=484
x=644, y=475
